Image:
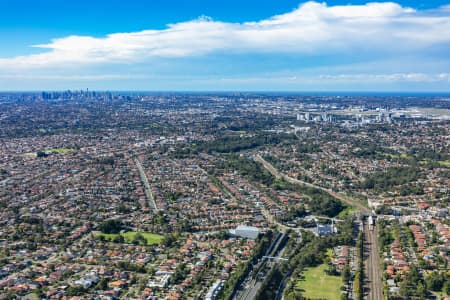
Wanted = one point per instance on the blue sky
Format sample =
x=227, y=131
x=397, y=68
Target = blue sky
x=225, y=45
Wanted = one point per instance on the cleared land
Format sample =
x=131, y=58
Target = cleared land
x=445, y=163
x=61, y=150
x=316, y=284
x=348, y=211
x=151, y=238
x=50, y=151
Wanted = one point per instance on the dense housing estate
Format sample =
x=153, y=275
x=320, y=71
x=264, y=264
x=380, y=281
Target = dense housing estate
x=223, y=196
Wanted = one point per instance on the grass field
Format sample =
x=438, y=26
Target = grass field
x=348, y=211
x=61, y=150
x=444, y=163
x=316, y=284
x=152, y=239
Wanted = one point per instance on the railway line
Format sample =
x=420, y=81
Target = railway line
x=373, y=280
x=147, y=189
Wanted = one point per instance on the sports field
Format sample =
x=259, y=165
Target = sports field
x=152, y=239
x=316, y=284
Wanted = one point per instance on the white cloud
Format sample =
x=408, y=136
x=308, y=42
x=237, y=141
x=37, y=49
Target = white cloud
x=359, y=77
x=65, y=77
x=395, y=77
x=311, y=28
x=346, y=78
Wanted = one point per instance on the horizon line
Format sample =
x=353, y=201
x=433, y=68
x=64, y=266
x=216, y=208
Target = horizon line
x=230, y=91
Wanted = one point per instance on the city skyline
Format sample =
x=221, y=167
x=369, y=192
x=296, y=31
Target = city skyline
x=199, y=46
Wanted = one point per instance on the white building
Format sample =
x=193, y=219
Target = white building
x=214, y=290
x=325, y=229
x=248, y=232
x=160, y=280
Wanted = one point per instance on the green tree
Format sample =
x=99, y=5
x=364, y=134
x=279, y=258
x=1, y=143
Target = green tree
x=139, y=239
x=102, y=284
x=346, y=274
x=75, y=291
x=119, y=239
x=434, y=281
x=111, y=226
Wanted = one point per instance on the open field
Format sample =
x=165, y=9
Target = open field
x=432, y=111
x=61, y=150
x=152, y=239
x=316, y=284
x=50, y=151
x=445, y=163
x=350, y=210
x=411, y=110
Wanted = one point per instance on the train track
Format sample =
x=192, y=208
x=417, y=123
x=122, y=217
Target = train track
x=372, y=263
x=346, y=199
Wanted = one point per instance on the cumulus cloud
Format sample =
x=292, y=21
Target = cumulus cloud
x=311, y=28
x=65, y=77
x=322, y=78
x=396, y=77
x=349, y=78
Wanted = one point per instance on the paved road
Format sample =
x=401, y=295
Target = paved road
x=147, y=188
x=372, y=263
x=349, y=200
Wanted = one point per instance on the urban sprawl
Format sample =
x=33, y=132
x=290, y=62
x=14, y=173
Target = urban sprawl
x=223, y=196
